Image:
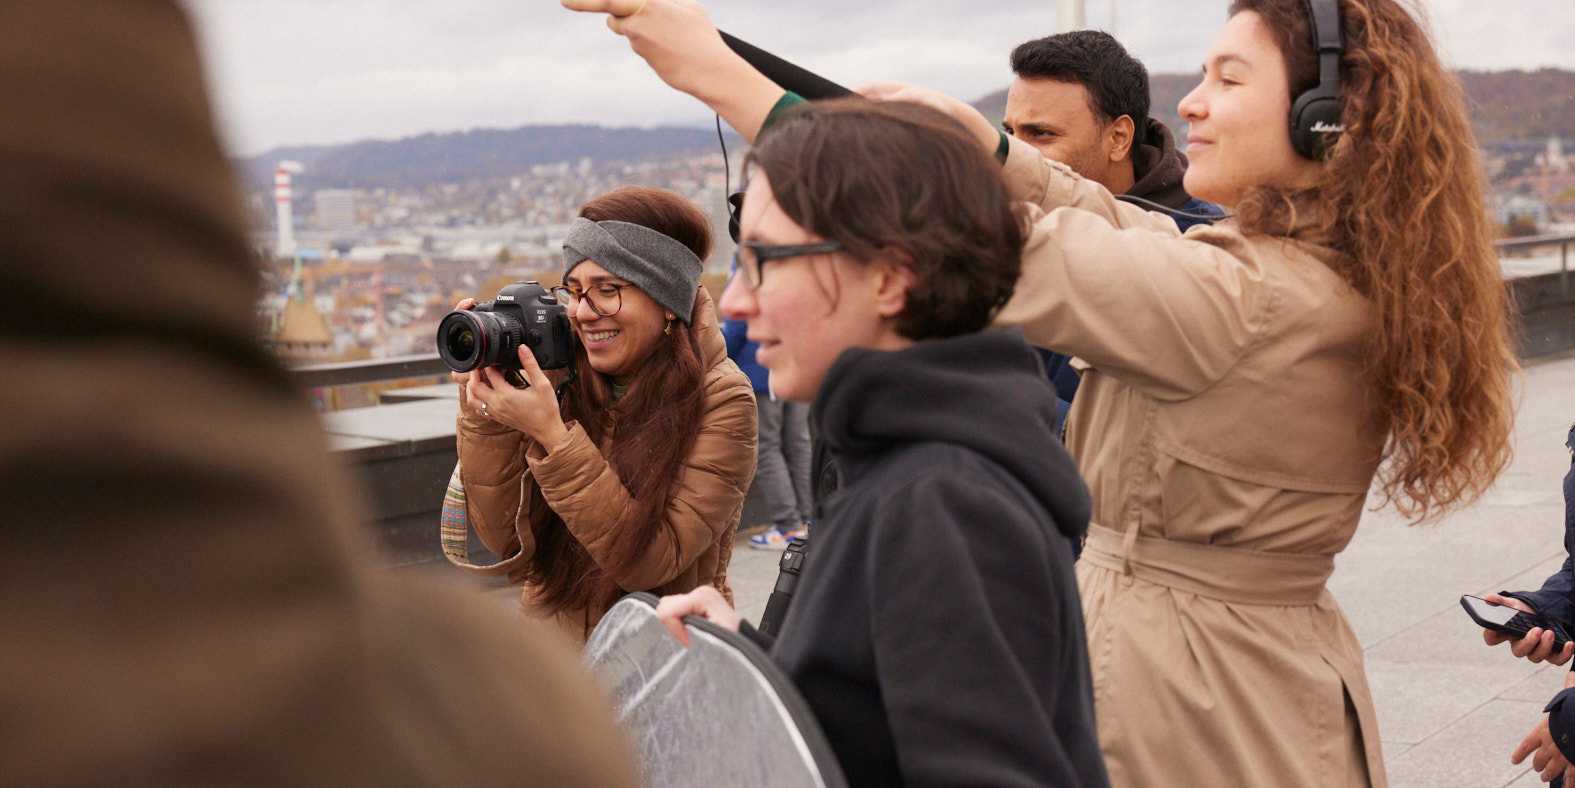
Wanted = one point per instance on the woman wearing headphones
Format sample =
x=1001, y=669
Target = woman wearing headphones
x=1246, y=384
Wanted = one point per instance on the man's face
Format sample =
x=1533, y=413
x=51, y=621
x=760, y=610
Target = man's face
x=1058, y=119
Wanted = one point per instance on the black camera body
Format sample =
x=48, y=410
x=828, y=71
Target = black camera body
x=490, y=333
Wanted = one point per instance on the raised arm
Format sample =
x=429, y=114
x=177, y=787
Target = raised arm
x=678, y=41
x=1165, y=314
x=1049, y=184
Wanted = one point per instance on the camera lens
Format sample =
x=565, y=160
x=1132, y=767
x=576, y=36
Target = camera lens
x=461, y=341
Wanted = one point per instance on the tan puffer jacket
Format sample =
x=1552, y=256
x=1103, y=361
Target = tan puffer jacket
x=584, y=489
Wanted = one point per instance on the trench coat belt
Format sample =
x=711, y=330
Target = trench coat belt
x=1229, y=574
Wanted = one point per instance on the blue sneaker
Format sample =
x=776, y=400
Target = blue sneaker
x=774, y=538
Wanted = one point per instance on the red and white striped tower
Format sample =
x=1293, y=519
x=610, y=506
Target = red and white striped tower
x=284, y=202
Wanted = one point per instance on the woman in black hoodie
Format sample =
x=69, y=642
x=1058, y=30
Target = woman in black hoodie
x=936, y=631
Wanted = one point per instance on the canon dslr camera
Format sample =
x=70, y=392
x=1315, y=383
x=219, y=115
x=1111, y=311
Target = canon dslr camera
x=490, y=333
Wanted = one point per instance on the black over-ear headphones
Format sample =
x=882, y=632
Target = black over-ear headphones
x=1315, y=115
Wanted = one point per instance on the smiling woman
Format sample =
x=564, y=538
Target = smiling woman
x=635, y=480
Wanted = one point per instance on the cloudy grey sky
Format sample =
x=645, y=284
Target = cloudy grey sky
x=322, y=71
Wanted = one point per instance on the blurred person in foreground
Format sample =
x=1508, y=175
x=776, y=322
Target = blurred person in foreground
x=189, y=603
x=1248, y=383
x=938, y=590
x=635, y=481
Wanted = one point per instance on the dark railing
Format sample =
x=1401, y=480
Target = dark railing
x=1562, y=240
x=352, y=372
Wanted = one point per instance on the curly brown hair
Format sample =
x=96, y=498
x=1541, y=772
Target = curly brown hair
x=885, y=178
x=1401, y=195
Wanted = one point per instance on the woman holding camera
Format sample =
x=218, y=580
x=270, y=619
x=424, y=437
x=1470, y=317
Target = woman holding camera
x=1244, y=385
x=634, y=480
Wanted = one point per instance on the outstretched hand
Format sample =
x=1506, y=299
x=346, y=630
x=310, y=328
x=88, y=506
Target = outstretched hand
x=678, y=41
x=675, y=37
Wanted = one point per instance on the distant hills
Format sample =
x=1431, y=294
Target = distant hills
x=457, y=156
x=1506, y=106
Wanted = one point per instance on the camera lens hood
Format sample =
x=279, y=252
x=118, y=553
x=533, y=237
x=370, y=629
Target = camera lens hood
x=462, y=340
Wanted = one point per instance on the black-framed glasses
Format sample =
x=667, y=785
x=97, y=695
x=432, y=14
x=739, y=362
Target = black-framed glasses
x=753, y=256
x=605, y=298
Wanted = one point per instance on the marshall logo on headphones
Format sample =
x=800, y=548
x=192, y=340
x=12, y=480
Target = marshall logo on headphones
x=1322, y=127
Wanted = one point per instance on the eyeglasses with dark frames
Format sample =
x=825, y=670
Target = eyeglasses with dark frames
x=753, y=256
x=605, y=299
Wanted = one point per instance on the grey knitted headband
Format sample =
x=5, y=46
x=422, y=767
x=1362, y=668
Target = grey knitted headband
x=665, y=269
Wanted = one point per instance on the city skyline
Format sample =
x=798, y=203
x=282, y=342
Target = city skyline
x=293, y=72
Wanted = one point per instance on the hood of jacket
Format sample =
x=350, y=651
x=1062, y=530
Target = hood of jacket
x=985, y=392
x=1158, y=167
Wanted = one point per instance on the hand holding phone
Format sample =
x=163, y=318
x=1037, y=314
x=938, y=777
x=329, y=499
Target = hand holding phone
x=1531, y=635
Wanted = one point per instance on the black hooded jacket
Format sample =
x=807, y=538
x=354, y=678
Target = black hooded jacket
x=1158, y=168
x=936, y=630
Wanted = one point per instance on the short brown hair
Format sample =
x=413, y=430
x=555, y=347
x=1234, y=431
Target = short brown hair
x=879, y=177
x=659, y=209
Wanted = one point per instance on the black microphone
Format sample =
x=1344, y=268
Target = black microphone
x=806, y=83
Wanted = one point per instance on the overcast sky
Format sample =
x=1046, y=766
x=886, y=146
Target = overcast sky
x=325, y=71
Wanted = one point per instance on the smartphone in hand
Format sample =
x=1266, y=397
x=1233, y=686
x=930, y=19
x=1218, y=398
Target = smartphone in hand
x=1508, y=620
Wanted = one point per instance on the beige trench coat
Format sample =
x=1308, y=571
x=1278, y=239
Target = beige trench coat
x=1225, y=431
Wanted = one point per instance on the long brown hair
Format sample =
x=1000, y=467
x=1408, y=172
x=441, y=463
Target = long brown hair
x=1401, y=195
x=653, y=425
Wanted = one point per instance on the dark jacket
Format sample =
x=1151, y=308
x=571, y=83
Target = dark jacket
x=1556, y=598
x=1158, y=169
x=742, y=352
x=193, y=596
x=936, y=631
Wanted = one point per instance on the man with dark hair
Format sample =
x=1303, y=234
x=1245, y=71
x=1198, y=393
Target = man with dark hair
x=1083, y=101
